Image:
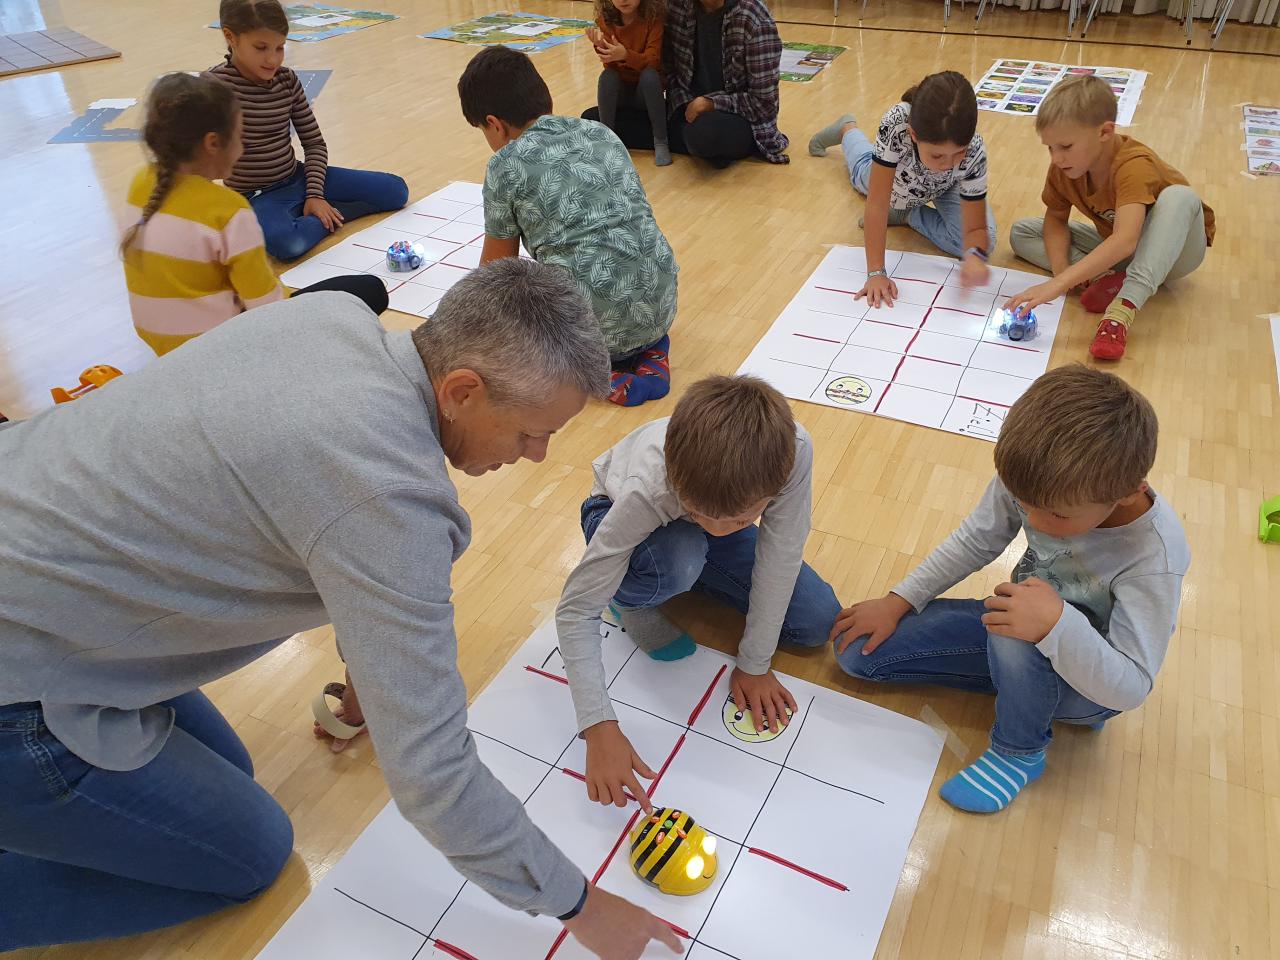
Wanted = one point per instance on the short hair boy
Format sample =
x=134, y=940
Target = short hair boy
x=1148, y=225
x=568, y=189
x=1081, y=629
x=674, y=508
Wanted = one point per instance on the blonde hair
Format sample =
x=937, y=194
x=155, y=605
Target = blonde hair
x=1077, y=436
x=731, y=442
x=1083, y=100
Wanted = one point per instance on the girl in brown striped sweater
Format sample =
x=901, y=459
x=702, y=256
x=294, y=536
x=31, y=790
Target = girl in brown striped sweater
x=297, y=204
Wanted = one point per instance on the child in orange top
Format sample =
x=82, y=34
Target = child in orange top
x=1148, y=225
x=628, y=40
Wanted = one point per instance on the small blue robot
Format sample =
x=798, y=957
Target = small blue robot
x=403, y=255
x=1018, y=327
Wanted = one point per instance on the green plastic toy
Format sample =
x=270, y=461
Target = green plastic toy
x=1269, y=521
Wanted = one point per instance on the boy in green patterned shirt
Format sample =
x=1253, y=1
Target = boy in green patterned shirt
x=568, y=189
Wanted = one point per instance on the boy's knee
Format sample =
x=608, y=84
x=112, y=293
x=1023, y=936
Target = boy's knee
x=1027, y=234
x=684, y=556
x=1180, y=196
x=1028, y=228
x=1014, y=654
x=649, y=78
x=853, y=662
x=809, y=625
x=664, y=566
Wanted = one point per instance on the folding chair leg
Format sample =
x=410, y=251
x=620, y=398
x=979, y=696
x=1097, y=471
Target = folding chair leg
x=1189, y=21
x=946, y=13
x=1093, y=10
x=1073, y=13
x=982, y=7
x=1221, y=22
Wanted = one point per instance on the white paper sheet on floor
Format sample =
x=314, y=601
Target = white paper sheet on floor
x=813, y=825
x=448, y=228
x=935, y=357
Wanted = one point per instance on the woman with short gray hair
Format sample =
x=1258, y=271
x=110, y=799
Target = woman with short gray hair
x=287, y=469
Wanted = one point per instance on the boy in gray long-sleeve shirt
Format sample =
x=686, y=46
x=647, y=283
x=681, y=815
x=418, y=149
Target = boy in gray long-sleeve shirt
x=673, y=509
x=1080, y=632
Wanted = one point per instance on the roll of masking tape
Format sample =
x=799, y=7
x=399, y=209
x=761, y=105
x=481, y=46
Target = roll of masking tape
x=324, y=716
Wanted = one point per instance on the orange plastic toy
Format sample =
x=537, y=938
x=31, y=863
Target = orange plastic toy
x=90, y=380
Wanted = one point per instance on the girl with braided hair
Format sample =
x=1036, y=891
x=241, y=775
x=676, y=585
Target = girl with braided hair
x=193, y=252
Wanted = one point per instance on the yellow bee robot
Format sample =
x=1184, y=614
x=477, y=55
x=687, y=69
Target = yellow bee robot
x=671, y=852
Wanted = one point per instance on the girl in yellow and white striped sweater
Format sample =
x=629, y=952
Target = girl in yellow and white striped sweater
x=194, y=255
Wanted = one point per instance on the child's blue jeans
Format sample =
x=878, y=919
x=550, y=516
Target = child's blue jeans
x=87, y=853
x=942, y=224
x=682, y=557
x=353, y=193
x=948, y=644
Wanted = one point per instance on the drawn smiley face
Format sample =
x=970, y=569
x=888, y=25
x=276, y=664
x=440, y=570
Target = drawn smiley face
x=741, y=724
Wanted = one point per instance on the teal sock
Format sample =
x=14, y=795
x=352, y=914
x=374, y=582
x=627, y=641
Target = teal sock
x=653, y=633
x=992, y=781
x=679, y=648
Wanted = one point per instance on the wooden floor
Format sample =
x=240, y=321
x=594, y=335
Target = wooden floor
x=1158, y=838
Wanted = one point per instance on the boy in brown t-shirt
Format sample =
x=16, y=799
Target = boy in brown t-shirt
x=1148, y=224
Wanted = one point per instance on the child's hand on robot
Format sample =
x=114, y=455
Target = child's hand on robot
x=874, y=619
x=1024, y=611
x=612, y=765
x=1028, y=300
x=764, y=695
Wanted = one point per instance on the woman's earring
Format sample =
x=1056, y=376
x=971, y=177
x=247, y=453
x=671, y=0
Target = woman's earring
x=448, y=416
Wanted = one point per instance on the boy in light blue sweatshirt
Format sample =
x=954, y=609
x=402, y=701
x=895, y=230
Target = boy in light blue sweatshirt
x=1081, y=629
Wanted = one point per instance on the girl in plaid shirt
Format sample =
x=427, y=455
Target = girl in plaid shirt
x=721, y=62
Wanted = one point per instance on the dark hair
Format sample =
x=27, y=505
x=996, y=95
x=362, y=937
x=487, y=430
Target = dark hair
x=181, y=110
x=503, y=83
x=944, y=109
x=1078, y=435
x=245, y=16
x=649, y=11
x=731, y=442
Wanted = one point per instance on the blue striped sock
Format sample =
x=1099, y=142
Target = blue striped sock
x=992, y=781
